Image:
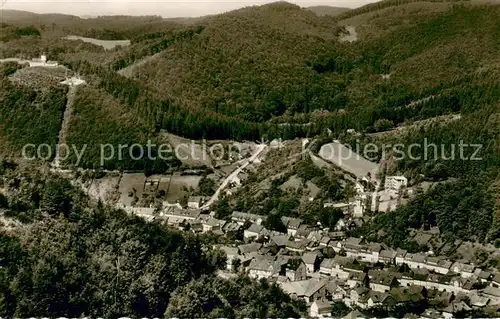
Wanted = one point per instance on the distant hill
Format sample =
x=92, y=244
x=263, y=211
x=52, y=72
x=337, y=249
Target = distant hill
x=25, y=17
x=328, y=10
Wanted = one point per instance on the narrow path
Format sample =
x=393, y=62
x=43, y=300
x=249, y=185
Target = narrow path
x=63, y=132
x=232, y=176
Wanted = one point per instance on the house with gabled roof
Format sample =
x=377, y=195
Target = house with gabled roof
x=233, y=230
x=465, y=270
x=387, y=256
x=383, y=282
x=291, y=224
x=324, y=241
x=296, y=270
x=312, y=260
x=254, y=231
x=232, y=253
x=495, y=281
x=242, y=218
x=299, y=246
x=303, y=231
x=326, y=266
x=400, y=256
x=483, y=276
x=249, y=248
x=264, y=268
x=493, y=294
x=280, y=241
x=320, y=309
x=359, y=297
x=338, y=270
x=195, y=202
x=310, y=290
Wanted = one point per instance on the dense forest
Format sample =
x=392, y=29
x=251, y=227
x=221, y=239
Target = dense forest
x=281, y=71
x=71, y=257
x=28, y=115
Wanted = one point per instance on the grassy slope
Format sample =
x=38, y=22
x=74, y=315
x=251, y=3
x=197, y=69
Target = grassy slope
x=328, y=10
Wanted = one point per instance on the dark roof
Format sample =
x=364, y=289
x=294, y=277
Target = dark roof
x=254, y=228
x=248, y=248
x=294, y=264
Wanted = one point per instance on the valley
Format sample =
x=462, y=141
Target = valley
x=310, y=159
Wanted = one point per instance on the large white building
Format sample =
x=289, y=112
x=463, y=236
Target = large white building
x=42, y=62
x=395, y=183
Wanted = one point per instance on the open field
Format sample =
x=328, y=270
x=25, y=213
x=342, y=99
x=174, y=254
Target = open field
x=347, y=159
x=105, y=189
x=179, y=185
x=106, y=44
x=131, y=184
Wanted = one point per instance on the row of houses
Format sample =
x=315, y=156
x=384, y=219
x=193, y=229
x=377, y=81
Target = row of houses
x=320, y=281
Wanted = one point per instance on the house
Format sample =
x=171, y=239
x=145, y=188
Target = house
x=477, y=301
x=344, y=207
x=400, y=256
x=358, y=279
x=492, y=293
x=495, y=282
x=440, y=264
x=42, y=62
x=296, y=270
x=249, y=248
x=359, y=297
x=233, y=230
x=263, y=268
x=466, y=284
x=336, y=291
x=415, y=261
x=465, y=270
x=210, y=224
x=303, y=231
x=454, y=308
x=242, y=218
x=395, y=183
x=377, y=299
x=298, y=245
x=483, y=276
x=324, y=241
x=195, y=202
x=338, y=270
x=320, y=309
x=312, y=260
x=253, y=232
x=291, y=224
x=383, y=282
x=232, y=254
x=317, y=290
x=310, y=290
x=280, y=241
x=326, y=266
x=387, y=256
x=179, y=214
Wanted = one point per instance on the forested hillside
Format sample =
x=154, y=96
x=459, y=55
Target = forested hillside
x=282, y=71
x=70, y=257
x=28, y=115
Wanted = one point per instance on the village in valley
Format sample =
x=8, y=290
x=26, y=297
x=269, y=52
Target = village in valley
x=321, y=265
x=324, y=266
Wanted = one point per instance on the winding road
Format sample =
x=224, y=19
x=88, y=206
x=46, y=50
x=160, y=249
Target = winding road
x=232, y=176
